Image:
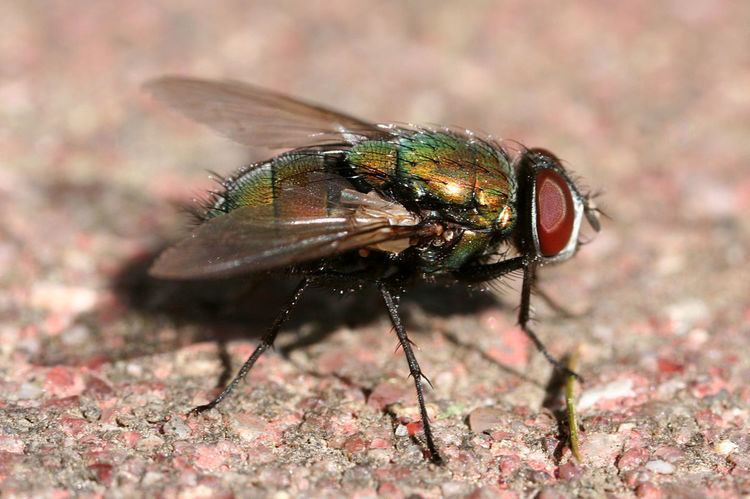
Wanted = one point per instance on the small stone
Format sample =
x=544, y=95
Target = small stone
x=379, y=457
x=491, y=492
x=209, y=457
x=568, y=471
x=486, y=418
x=621, y=388
x=125, y=420
x=176, y=428
x=508, y=465
x=149, y=444
x=686, y=314
x=455, y=488
x=153, y=415
x=669, y=453
x=151, y=478
x=77, y=335
x=660, y=466
x=725, y=447
x=389, y=393
x=92, y=413
x=601, y=449
x=63, y=382
x=198, y=492
x=29, y=391
x=389, y=489
x=648, y=490
x=551, y=493
x=355, y=444
x=632, y=458
x=414, y=428
x=102, y=472
x=11, y=444
x=97, y=387
x=249, y=427
x=134, y=370
x=409, y=413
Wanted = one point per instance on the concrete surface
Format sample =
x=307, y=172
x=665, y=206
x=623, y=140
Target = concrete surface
x=647, y=101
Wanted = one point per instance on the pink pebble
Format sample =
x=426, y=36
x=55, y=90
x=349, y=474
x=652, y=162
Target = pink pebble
x=102, y=472
x=62, y=382
x=648, y=490
x=632, y=458
x=380, y=443
x=569, y=471
x=389, y=489
x=73, y=426
x=131, y=438
x=388, y=393
x=209, y=457
x=355, y=444
x=11, y=444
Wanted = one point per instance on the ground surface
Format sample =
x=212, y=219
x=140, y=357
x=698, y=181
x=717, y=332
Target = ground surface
x=98, y=363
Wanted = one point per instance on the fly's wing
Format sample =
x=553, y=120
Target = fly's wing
x=254, y=238
x=258, y=117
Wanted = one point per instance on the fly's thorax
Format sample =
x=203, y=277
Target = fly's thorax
x=497, y=211
x=468, y=181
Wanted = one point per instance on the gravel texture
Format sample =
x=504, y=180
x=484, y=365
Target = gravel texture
x=647, y=101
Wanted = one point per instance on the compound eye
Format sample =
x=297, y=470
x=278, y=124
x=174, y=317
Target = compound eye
x=554, y=212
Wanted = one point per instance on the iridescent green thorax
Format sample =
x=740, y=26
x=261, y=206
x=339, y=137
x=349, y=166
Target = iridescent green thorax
x=468, y=181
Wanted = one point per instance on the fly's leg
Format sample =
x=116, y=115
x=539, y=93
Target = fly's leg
x=496, y=270
x=524, y=317
x=265, y=343
x=414, y=370
x=490, y=271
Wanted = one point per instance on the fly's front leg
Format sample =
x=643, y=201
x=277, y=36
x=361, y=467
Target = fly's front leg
x=414, y=370
x=490, y=271
x=265, y=343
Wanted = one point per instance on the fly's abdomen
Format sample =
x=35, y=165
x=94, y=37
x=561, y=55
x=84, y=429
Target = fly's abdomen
x=295, y=184
x=376, y=162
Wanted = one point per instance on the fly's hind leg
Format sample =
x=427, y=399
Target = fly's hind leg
x=414, y=370
x=265, y=343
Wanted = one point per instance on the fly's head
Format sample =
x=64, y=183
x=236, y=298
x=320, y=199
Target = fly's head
x=553, y=208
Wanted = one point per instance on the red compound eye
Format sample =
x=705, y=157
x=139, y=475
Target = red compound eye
x=554, y=212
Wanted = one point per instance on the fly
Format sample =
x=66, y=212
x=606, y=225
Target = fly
x=361, y=203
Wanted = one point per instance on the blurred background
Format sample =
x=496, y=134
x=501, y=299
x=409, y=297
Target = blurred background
x=649, y=102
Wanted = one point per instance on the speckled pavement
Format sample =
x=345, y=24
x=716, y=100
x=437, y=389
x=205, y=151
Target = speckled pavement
x=648, y=102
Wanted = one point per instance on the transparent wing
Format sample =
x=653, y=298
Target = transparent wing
x=254, y=116
x=255, y=238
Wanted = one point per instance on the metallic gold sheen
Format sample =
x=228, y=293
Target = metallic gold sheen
x=471, y=180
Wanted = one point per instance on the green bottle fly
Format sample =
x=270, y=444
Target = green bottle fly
x=352, y=203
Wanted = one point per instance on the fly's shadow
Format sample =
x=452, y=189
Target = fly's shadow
x=148, y=316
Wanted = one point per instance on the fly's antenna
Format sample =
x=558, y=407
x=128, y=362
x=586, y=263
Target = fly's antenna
x=592, y=211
